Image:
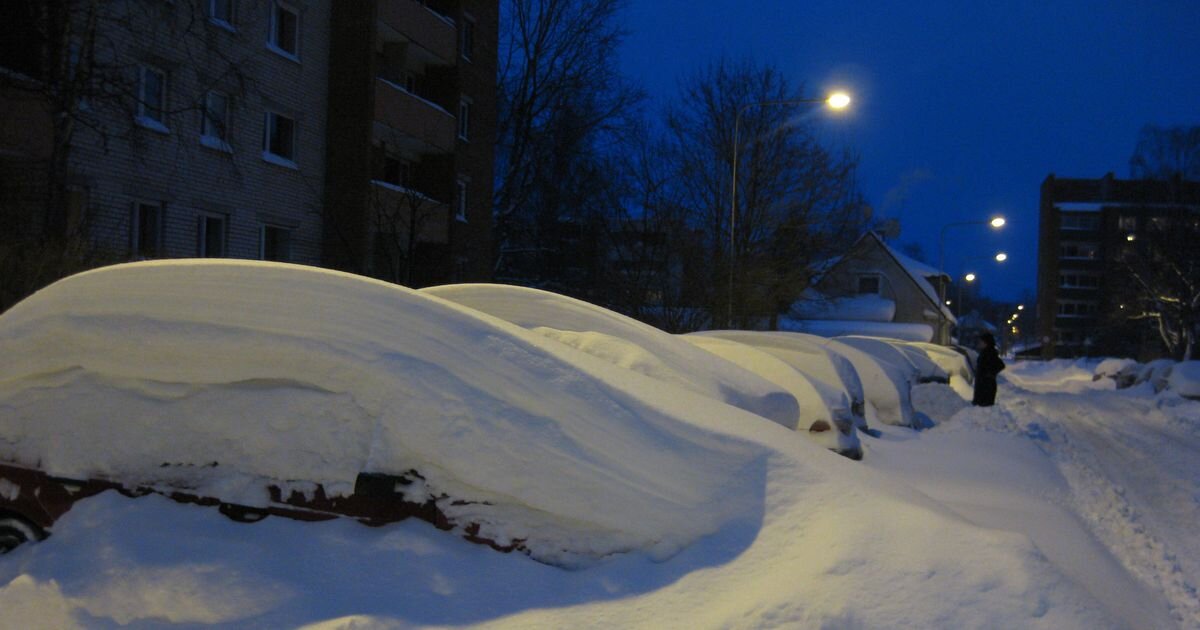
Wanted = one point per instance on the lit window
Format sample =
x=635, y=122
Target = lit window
x=276, y=243
x=211, y=242
x=285, y=30
x=152, y=95
x=279, y=139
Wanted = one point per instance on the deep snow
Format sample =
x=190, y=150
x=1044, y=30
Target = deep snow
x=1068, y=505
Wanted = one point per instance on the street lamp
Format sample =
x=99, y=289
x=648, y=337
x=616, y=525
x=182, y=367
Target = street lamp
x=837, y=100
x=1001, y=257
x=996, y=223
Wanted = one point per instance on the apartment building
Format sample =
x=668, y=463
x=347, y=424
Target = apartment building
x=1087, y=227
x=356, y=135
x=410, y=139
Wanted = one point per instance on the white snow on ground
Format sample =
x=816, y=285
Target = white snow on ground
x=1068, y=505
x=1185, y=379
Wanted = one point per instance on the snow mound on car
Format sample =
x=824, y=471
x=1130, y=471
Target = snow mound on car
x=224, y=376
x=600, y=332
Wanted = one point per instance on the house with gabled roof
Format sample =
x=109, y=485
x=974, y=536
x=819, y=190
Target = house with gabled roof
x=874, y=289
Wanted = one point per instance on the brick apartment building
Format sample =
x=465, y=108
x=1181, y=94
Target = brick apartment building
x=260, y=128
x=1086, y=226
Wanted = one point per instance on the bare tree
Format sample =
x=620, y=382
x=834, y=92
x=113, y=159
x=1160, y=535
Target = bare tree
x=561, y=98
x=798, y=201
x=1160, y=281
x=401, y=221
x=1166, y=152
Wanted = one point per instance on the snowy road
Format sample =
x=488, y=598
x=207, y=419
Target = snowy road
x=1133, y=464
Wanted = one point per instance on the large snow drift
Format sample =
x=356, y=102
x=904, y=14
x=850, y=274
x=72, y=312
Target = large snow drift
x=234, y=374
x=627, y=343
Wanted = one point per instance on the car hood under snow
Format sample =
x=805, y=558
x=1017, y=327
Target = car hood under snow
x=223, y=376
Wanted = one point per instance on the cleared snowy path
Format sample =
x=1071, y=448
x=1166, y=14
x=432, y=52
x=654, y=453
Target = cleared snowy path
x=1133, y=464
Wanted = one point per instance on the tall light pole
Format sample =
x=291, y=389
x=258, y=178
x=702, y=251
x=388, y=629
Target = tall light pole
x=836, y=100
x=996, y=223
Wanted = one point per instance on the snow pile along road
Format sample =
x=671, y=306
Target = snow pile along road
x=224, y=376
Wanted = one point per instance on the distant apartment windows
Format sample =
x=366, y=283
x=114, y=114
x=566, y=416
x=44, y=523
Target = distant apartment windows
x=275, y=243
x=1127, y=224
x=1076, y=309
x=1080, y=222
x=146, y=235
x=1078, y=281
x=460, y=201
x=464, y=119
x=211, y=237
x=1076, y=250
x=152, y=98
x=214, y=124
x=466, y=38
x=279, y=140
x=284, y=34
x=220, y=12
x=868, y=284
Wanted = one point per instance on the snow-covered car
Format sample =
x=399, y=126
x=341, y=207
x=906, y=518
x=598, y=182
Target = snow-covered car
x=275, y=389
x=837, y=380
x=627, y=343
x=954, y=363
x=827, y=423
x=886, y=386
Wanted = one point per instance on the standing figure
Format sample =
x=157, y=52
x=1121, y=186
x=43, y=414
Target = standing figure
x=987, y=368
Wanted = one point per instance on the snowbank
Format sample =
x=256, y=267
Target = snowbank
x=863, y=308
x=1185, y=379
x=838, y=328
x=223, y=375
x=627, y=343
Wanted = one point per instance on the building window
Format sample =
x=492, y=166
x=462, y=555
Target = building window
x=466, y=38
x=211, y=242
x=147, y=229
x=1086, y=251
x=460, y=201
x=1076, y=309
x=396, y=171
x=275, y=243
x=868, y=284
x=214, y=128
x=221, y=12
x=284, y=35
x=1078, y=281
x=152, y=97
x=1080, y=222
x=1127, y=224
x=279, y=139
x=464, y=119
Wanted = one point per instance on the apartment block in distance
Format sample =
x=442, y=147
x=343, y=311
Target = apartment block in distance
x=410, y=139
x=1086, y=227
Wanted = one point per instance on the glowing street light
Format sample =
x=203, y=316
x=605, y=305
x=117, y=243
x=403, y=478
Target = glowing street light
x=1020, y=307
x=838, y=100
x=969, y=277
x=1001, y=257
x=997, y=222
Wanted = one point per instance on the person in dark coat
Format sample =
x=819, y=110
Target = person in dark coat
x=987, y=368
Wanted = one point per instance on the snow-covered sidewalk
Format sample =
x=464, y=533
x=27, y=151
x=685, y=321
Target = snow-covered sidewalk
x=1068, y=505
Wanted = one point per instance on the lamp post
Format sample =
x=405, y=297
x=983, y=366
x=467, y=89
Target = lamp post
x=995, y=222
x=836, y=100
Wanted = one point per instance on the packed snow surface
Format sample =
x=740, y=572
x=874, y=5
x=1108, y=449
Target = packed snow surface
x=864, y=308
x=627, y=343
x=239, y=374
x=1185, y=379
x=840, y=327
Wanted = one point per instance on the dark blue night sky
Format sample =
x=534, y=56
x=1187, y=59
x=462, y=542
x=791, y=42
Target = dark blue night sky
x=962, y=108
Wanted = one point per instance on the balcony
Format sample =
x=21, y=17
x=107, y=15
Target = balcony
x=393, y=213
x=420, y=25
x=414, y=116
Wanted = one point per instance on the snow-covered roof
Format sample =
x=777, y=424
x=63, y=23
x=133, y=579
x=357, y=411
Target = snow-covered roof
x=919, y=272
